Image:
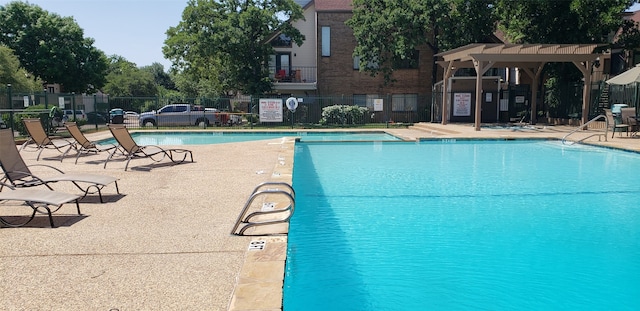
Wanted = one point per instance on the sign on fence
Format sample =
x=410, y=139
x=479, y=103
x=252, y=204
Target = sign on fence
x=378, y=104
x=270, y=110
x=462, y=104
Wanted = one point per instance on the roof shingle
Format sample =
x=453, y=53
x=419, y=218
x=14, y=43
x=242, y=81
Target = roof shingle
x=334, y=5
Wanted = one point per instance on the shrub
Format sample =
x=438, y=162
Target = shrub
x=343, y=115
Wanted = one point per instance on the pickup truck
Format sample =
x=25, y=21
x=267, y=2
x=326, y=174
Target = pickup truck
x=179, y=115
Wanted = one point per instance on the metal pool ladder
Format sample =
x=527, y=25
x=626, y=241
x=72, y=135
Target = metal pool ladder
x=266, y=190
x=564, y=139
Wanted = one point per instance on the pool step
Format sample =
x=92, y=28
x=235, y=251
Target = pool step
x=433, y=128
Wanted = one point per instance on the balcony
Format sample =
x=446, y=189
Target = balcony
x=300, y=78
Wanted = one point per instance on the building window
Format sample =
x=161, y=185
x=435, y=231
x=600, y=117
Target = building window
x=410, y=61
x=370, y=99
x=404, y=102
x=360, y=100
x=280, y=65
x=326, y=41
x=356, y=64
x=281, y=41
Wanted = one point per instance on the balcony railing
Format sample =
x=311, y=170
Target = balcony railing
x=294, y=74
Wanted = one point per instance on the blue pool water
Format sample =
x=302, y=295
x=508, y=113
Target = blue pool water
x=464, y=225
x=208, y=138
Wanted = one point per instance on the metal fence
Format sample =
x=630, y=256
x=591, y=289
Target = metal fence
x=237, y=112
x=312, y=111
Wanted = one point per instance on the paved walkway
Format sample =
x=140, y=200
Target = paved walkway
x=164, y=243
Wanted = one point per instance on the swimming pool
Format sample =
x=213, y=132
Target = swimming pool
x=208, y=138
x=464, y=225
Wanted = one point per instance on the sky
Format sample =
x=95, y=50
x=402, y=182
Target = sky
x=133, y=29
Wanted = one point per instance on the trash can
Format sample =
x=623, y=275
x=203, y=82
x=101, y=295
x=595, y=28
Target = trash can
x=117, y=119
x=616, y=111
x=116, y=116
x=617, y=108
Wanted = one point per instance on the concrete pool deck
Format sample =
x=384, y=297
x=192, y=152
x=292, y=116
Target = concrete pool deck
x=164, y=243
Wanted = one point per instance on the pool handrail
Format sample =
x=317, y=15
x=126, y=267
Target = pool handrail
x=246, y=219
x=606, y=130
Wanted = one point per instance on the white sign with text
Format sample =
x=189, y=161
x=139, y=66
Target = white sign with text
x=270, y=110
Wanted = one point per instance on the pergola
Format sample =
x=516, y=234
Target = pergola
x=530, y=58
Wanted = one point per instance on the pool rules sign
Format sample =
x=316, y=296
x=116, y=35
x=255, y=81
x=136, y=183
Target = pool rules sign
x=270, y=110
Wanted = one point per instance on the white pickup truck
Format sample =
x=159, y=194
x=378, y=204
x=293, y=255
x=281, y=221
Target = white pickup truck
x=180, y=115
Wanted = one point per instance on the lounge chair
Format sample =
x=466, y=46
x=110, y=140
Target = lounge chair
x=615, y=125
x=132, y=150
x=17, y=173
x=36, y=199
x=84, y=145
x=39, y=137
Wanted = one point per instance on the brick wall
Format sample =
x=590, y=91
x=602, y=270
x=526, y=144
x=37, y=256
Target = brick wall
x=336, y=75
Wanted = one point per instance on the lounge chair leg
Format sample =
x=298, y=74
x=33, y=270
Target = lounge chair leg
x=50, y=216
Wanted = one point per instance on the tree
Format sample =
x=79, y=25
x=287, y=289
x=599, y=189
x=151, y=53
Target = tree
x=52, y=47
x=125, y=79
x=226, y=42
x=12, y=73
x=557, y=22
x=160, y=77
x=390, y=30
x=552, y=21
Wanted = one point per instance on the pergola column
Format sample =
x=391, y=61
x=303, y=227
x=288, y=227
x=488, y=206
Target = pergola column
x=481, y=68
x=534, y=74
x=585, y=67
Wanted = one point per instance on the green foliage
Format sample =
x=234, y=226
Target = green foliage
x=52, y=47
x=125, y=79
x=387, y=32
x=225, y=43
x=343, y=115
x=252, y=118
x=35, y=111
x=160, y=77
x=552, y=21
x=629, y=36
x=12, y=73
x=557, y=22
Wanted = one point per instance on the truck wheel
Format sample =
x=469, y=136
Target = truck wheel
x=203, y=122
x=149, y=123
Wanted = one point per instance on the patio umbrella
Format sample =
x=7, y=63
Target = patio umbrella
x=630, y=76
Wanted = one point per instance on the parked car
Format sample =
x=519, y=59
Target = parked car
x=69, y=115
x=116, y=116
x=131, y=115
x=95, y=117
x=180, y=114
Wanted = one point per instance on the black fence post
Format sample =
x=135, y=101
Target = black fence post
x=10, y=106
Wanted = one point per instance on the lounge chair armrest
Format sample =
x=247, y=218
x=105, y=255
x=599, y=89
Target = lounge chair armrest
x=33, y=177
x=2, y=185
